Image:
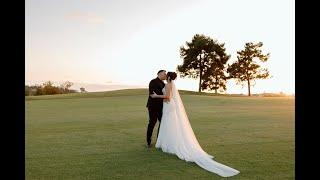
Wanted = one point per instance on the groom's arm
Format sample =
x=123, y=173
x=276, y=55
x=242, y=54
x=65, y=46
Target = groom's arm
x=166, y=96
x=152, y=87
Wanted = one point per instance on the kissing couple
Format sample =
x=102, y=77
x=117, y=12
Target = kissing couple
x=175, y=135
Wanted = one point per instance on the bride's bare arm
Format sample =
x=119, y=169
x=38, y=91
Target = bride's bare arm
x=168, y=90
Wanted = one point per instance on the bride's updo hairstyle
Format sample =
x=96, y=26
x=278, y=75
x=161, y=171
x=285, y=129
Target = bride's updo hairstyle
x=171, y=76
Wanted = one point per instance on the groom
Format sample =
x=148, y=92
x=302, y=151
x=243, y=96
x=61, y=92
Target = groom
x=155, y=105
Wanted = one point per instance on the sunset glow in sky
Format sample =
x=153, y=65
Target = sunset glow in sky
x=126, y=42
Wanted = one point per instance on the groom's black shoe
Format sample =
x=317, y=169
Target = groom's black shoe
x=149, y=146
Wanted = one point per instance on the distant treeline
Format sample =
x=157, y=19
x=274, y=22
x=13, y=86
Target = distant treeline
x=281, y=94
x=48, y=88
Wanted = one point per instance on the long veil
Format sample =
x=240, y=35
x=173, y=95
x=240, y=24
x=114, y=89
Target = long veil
x=191, y=149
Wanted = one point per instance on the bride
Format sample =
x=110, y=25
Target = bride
x=176, y=135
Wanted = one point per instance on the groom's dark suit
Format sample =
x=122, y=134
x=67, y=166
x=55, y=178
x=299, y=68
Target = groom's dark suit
x=154, y=106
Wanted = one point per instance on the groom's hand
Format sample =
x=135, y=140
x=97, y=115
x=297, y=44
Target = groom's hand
x=166, y=100
x=154, y=95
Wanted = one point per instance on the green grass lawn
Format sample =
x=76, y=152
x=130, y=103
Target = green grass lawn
x=102, y=136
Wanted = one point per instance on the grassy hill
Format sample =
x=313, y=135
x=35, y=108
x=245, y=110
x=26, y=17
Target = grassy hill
x=102, y=136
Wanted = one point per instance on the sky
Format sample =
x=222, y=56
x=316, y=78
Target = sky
x=124, y=43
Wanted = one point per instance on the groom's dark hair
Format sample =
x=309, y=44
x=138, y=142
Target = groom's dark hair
x=160, y=71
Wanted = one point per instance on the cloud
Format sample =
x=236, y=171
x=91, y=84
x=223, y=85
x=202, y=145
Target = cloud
x=85, y=17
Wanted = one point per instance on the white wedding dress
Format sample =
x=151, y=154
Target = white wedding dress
x=176, y=137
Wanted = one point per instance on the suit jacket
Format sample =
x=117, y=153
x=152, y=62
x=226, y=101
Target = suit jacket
x=155, y=85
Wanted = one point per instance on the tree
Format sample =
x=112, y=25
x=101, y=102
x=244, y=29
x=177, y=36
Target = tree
x=245, y=69
x=39, y=91
x=204, y=58
x=82, y=89
x=31, y=90
x=27, y=90
x=66, y=86
x=49, y=88
x=214, y=78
